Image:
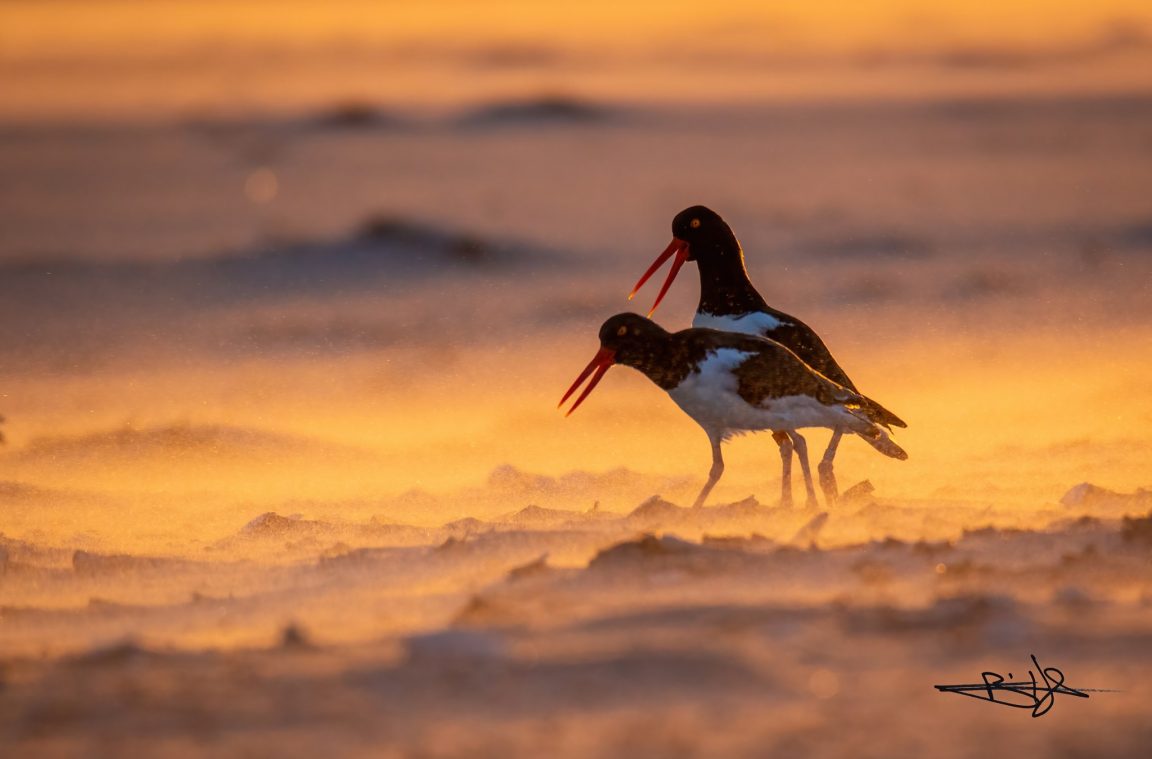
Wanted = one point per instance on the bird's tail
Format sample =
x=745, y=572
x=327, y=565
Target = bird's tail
x=877, y=436
x=881, y=415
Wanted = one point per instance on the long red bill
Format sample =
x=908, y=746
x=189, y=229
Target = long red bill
x=678, y=248
x=600, y=364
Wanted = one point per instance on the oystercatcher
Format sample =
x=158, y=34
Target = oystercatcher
x=729, y=302
x=732, y=383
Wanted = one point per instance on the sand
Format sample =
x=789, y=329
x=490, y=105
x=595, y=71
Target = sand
x=284, y=473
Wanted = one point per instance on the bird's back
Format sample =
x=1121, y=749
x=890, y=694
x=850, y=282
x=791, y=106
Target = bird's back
x=798, y=338
x=770, y=369
x=787, y=330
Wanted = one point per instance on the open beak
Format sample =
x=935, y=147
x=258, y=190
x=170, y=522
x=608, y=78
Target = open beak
x=600, y=364
x=677, y=248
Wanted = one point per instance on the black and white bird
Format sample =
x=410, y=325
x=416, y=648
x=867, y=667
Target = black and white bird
x=729, y=302
x=731, y=383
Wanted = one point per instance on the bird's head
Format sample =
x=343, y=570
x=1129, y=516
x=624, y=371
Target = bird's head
x=621, y=337
x=698, y=234
x=703, y=231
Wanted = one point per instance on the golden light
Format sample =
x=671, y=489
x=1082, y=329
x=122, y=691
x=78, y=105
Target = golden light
x=288, y=291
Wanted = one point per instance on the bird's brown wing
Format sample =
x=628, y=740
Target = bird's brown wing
x=773, y=371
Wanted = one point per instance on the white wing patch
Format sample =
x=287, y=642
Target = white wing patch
x=755, y=323
x=709, y=395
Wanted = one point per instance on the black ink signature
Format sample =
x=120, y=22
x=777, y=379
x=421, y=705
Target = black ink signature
x=1022, y=694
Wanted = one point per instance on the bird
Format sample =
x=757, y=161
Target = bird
x=731, y=384
x=729, y=302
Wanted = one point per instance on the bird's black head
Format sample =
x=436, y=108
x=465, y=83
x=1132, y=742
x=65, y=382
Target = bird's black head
x=706, y=233
x=622, y=333
x=624, y=339
x=700, y=235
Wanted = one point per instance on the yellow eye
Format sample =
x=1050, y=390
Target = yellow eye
x=621, y=332
x=695, y=223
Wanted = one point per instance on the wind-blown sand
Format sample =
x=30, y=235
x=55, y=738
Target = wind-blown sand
x=584, y=633
x=285, y=474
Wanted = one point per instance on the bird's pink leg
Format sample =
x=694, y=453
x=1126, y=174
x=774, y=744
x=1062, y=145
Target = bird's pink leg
x=785, y=444
x=713, y=474
x=801, y=446
x=827, y=475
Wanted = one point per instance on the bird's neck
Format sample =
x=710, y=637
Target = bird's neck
x=724, y=285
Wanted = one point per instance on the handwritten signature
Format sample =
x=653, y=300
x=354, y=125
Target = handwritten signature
x=1021, y=694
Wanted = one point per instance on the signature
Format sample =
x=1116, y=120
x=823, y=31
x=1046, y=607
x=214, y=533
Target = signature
x=1037, y=695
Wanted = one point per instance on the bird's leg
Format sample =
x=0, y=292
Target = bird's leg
x=801, y=446
x=785, y=444
x=827, y=475
x=713, y=474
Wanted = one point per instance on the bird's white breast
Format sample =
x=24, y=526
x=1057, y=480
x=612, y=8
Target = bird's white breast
x=754, y=323
x=709, y=394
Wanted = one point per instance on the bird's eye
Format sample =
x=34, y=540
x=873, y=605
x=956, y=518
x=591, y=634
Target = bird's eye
x=695, y=223
x=621, y=332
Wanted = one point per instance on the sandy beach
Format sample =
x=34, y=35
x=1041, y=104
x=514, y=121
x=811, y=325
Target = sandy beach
x=283, y=471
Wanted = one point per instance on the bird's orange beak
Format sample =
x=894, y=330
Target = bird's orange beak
x=677, y=248
x=600, y=364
